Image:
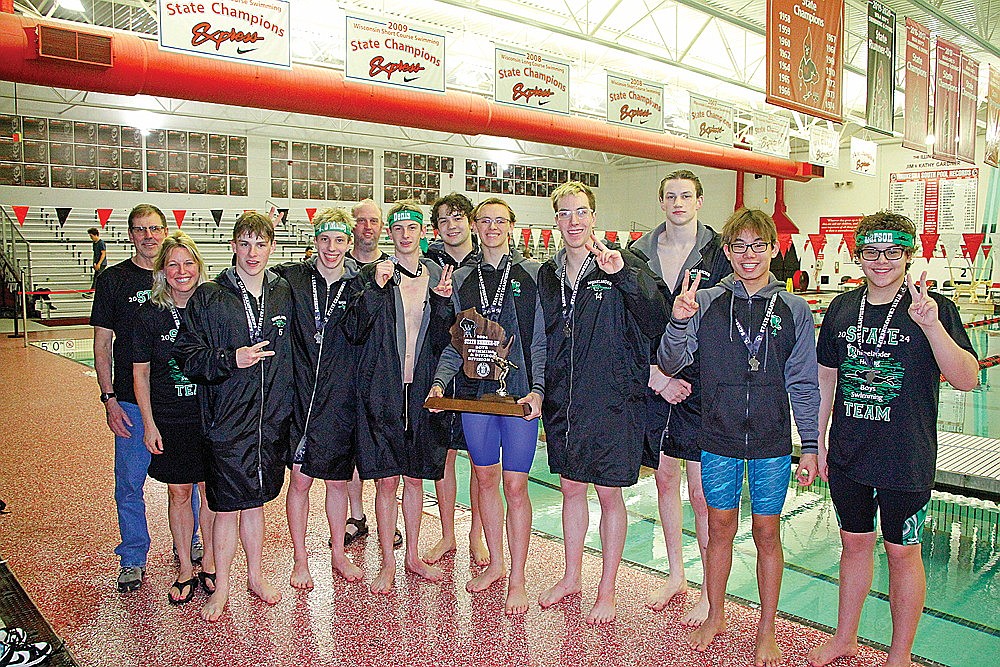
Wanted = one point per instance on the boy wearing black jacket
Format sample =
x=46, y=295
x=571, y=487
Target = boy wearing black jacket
x=236, y=346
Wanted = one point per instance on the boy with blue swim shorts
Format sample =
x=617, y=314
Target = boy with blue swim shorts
x=757, y=351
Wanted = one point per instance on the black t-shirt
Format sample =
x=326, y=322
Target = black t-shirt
x=173, y=396
x=99, y=247
x=381, y=256
x=119, y=292
x=884, y=431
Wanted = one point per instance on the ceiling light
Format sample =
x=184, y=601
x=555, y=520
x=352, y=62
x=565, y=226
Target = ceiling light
x=72, y=5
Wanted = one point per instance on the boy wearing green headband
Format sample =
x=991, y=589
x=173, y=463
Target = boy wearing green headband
x=323, y=416
x=881, y=350
x=401, y=321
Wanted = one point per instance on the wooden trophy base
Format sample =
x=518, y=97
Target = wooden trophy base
x=490, y=404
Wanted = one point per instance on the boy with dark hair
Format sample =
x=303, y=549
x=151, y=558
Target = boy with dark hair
x=236, y=346
x=401, y=319
x=452, y=217
x=601, y=307
x=100, y=259
x=879, y=379
x=757, y=352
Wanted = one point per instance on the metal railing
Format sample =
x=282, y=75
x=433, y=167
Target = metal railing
x=15, y=247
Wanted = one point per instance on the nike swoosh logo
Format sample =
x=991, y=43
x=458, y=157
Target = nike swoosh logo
x=643, y=122
x=242, y=51
x=541, y=103
x=409, y=79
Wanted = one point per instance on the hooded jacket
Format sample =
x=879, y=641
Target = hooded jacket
x=375, y=321
x=745, y=413
x=325, y=398
x=683, y=420
x=437, y=251
x=244, y=409
x=596, y=378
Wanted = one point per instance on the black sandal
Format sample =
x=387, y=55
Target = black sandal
x=360, y=529
x=204, y=578
x=190, y=584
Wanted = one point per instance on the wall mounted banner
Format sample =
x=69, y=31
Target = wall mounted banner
x=992, y=156
x=394, y=53
x=967, y=108
x=881, y=67
x=532, y=81
x=255, y=32
x=771, y=134
x=710, y=120
x=917, y=86
x=863, y=154
x=824, y=146
x=947, y=80
x=839, y=224
x=635, y=102
x=937, y=200
x=805, y=57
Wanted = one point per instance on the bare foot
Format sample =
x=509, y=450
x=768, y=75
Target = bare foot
x=703, y=636
x=216, y=605
x=384, y=581
x=480, y=554
x=489, y=577
x=265, y=591
x=661, y=597
x=831, y=649
x=348, y=570
x=438, y=551
x=698, y=613
x=422, y=569
x=517, y=600
x=603, y=611
x=556, y=593
x=767, y=653
x=301, y=578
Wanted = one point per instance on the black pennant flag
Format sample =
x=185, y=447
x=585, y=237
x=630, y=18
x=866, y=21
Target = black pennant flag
x=63, y=213
x=217, y=215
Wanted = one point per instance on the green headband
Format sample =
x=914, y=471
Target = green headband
x=332, y=226
x=406, y=215
x=886, y=236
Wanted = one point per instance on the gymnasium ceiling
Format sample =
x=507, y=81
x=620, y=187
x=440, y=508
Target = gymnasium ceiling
x=714, y=47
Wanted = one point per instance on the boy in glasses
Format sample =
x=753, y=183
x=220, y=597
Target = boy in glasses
x=881, y=350
x=757, y=352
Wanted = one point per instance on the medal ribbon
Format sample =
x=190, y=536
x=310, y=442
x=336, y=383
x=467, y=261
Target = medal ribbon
x=330, y=305
x=255, y=325
x=491, y=310
x=864, y=356
x=177, y=320
x=569, y=308
x=754, y=346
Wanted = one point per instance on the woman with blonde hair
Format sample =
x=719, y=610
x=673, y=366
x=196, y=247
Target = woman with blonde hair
x=168, y=402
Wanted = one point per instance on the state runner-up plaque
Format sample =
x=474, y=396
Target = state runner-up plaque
x=484, y=346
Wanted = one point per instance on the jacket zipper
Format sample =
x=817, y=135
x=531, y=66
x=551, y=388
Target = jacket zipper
x=260, y=414
x=746, y=422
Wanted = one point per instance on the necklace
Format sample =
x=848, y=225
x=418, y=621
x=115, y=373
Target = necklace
x=863, y=357
x=569, y=308
x=254, y=324
x=405, y=271
x=491, y=310
x=330, y=305
x=754, y=346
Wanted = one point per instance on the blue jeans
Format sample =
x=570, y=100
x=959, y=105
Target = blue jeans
x=131, y=466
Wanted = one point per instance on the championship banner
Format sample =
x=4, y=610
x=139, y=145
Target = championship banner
x=635, y=102
x=992, y=156
x=967, y=108
x=254, y=32
x=532, y=81
x=917, y=86
x=771, y=134
x=824, y=146
x=394, y=53
x=805, y=56
x=881, y=67
x=947, y=74
x=710, y=120
x=863, y=155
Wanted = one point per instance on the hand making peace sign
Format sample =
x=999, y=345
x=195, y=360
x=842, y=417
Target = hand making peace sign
x=685, y=305
x=924, y=309
x=443, y=288
x=610, y=261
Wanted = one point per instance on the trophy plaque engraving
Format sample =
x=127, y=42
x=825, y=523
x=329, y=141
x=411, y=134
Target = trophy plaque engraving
x=484, y=346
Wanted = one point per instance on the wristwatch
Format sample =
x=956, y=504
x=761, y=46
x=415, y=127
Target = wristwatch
x=107, y=397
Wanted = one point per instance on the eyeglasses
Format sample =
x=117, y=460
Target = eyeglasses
x=492, y=222
x=565, y=214
x=152, y=231
x=454, y=217
x=739, y=247
x=891, y=253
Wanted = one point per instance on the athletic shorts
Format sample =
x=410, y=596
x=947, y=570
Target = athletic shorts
x=902, y=512
x=722, y=480
x=491, y=437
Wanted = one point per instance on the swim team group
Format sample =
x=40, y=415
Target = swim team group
x=680, y=347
